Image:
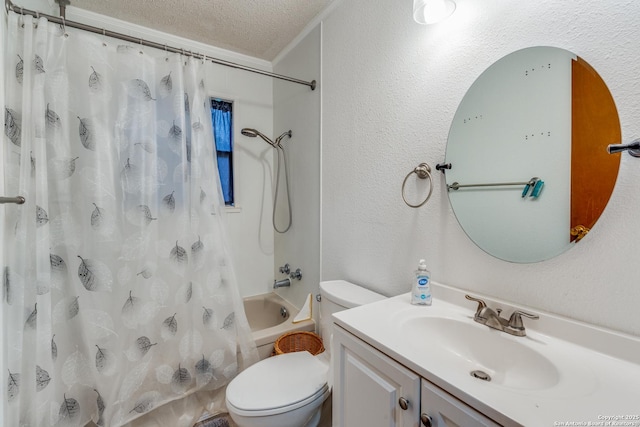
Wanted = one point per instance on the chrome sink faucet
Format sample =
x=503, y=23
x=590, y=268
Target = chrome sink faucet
x=492, y=319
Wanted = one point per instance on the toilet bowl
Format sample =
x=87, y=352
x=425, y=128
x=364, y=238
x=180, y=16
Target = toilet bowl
x=281, y=391
x=288, y=390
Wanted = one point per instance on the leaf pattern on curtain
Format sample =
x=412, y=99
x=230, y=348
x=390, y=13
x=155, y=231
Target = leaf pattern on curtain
x=52, y=118
x=107, y=285
x=95, y=81
x=7, y=292
x=12, y=126
x=140, y=89
x=101, y=407
x=69, y=410
x=20, y=70
x=13, y=385
x=166, y=85
x=42, y=378
x=38, y=64
x=86, y=132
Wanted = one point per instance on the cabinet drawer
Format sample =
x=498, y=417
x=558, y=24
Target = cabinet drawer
x=447, y=411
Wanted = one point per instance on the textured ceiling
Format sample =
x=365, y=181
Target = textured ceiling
x=259, y=28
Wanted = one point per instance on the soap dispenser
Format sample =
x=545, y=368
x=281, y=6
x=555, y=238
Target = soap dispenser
x=421, y=292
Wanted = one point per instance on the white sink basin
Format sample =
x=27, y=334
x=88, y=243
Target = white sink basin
x=466, y=346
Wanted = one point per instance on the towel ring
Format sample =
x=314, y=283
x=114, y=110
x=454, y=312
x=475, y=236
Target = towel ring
x=423, y=171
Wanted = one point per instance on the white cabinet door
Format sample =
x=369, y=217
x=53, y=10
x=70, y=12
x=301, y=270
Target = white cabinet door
x=445, y=410
x=369, y=388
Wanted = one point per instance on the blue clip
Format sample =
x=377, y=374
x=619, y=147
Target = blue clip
x=537, y=189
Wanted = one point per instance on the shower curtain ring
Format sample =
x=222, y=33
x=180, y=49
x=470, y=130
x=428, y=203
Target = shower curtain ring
x=166, y=53
x=104, y=36
x=140, y=41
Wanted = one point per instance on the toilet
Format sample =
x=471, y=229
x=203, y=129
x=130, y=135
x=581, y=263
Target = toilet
x=288, y=390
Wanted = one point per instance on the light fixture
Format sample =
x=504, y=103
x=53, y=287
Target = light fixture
x=432, y=11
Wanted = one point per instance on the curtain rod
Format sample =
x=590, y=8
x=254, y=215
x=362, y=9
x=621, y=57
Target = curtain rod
x=60, y=20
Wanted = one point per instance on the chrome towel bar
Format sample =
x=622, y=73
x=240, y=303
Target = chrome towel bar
x=456, y=185
x=533, y=187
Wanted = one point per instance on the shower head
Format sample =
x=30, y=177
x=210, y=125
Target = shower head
x=252, y=133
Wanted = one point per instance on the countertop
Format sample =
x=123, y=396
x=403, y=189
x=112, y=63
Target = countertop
x=599, y=369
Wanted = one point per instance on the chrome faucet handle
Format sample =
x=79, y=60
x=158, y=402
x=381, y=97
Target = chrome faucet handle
x=296, y=274
x=515, y=321
x=481, y=304
x=285, y=269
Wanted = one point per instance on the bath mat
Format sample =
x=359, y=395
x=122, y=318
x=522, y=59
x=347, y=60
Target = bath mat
x=217, y=421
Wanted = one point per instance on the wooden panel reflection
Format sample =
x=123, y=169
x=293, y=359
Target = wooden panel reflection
x=594, y=125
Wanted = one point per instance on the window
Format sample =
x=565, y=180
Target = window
x=221, y=116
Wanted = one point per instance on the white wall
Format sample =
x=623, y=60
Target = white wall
x=390, y=90
x=297, y=107
x=250, y=230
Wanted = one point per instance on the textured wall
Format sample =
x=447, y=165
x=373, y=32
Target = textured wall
x=297, y=107
x=390, y=90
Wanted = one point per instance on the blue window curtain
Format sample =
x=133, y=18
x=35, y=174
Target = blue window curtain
x=221, y=115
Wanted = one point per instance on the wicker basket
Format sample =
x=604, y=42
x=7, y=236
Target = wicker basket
x=299, y=341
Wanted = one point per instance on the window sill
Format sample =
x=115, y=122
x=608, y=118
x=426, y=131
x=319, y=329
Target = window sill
x=233, y=209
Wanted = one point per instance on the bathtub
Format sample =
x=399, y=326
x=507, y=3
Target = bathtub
x=270, y=316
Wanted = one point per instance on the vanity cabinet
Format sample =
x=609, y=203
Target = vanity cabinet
x=371, y=389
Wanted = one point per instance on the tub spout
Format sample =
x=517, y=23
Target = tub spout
x=281, y=283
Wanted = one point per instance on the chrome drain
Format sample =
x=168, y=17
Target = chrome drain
x=481, y=375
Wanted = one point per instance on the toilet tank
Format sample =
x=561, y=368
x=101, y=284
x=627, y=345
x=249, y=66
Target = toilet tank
x=338, y=295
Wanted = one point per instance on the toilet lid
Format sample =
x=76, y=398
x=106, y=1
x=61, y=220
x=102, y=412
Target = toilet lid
x=278, y=381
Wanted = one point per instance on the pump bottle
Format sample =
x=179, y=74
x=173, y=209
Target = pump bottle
x=421, y=289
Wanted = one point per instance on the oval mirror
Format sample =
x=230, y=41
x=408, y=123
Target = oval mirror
x=530, y=173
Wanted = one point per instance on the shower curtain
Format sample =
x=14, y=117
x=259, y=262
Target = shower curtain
x=119, y=295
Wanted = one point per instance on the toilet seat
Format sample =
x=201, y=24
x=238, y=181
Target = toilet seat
x=278, y=384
